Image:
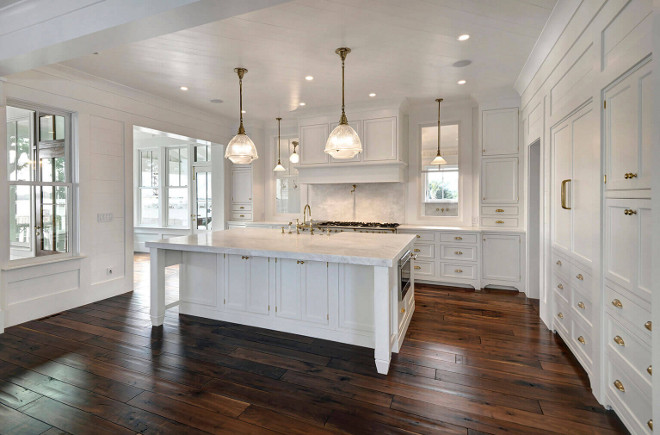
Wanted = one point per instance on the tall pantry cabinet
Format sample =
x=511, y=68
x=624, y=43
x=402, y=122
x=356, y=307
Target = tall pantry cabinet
x=627, y=266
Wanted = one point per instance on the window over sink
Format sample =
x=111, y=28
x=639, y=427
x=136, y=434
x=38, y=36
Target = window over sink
x=440, y=184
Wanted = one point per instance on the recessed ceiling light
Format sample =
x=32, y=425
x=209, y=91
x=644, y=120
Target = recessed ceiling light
x=464, y=37
x=302, y=103
x=372, y=95
x=309, y=78
x=184, y=88
x=216, y=101
x=243, y=112
x=461, y=82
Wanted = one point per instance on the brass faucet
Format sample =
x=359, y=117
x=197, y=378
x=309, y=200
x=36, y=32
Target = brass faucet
x=304, y=223
x=307, y=207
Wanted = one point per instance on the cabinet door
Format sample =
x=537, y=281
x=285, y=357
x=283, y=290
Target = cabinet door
x=288, y=292
x=380, y=140
x=562, y=172
x=236, y=282
x=499, y=180
x=315, y=292
x=357, y=126
x=500, y=131
x=312, y=144
x=501, y=257
x=241, y=185
x=259, y=283
x=628, y=130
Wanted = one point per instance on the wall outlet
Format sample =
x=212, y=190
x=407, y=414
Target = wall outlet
x=108, y=271
x=104, y=217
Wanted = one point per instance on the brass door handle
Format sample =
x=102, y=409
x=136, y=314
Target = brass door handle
x=458, y=238
x=619, y=386
x=563, y=194
x=618, y=340
x=629, y=212
x=560, y=286
x=617, y=303
x=560, y=315
x=649, y=325
x=581, y=304
x=650, y=370
x=581, y=339
x=499, y=210
x=458, y=252
x=630, y=175
x=417, y=267
x=580, y=277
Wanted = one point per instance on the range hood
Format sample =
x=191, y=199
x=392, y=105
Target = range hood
x=376, y=172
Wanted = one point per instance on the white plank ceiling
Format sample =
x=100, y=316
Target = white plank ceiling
x=401, y=49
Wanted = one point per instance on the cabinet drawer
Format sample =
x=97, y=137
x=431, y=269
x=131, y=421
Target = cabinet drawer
x=581, y=337
x=627, y=397
x=425, y=236
x=459, y=237
x=560, y=287
x=504, y=210
x=581, y=278
x=562, y=315
x=453, y=252
x=238, y=216
x=560, y=265
x=424, y=251
x=241, y=207
x=622, y=341
x=625, y=311
x=455, y=270
x=582, y=305
x=423, y=269
x=499, y=222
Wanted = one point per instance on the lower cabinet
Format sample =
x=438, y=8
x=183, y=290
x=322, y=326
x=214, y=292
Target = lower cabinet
x=246, y=284
x=501, y=259
x=302, y=290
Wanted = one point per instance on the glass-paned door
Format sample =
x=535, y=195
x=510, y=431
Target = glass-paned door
x=202, y=204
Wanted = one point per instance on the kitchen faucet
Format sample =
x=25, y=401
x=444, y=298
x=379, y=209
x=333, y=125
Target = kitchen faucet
x=307, y=207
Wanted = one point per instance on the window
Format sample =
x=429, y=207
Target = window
x=440, y=184
x=287, y=189
x=148, y=187
x=177, y=187
x=40, y=186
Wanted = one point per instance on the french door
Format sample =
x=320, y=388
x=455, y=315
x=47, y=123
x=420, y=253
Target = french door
x=202, y=216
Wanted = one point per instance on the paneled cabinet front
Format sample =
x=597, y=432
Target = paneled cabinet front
x=312, y=144
x=302, y=290
x=499, y=180
x=500, y=131
x=501, y=257
x=246, y=284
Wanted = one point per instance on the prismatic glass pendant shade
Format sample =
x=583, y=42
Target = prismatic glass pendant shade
x=294, y=157
x=343, y=143
x=439, y=160
x=241, y=149
x=278, y=167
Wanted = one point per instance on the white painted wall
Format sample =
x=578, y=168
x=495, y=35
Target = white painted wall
x=104, y=114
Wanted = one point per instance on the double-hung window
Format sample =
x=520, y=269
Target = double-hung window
x=440, y=184
x=40, y=182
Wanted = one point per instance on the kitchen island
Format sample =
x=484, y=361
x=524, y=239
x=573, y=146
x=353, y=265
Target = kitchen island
x=342, y=287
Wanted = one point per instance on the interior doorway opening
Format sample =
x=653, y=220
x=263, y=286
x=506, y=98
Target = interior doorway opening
x=534, y=220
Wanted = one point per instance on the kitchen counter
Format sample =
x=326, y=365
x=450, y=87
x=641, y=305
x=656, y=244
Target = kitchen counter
x=403, y=227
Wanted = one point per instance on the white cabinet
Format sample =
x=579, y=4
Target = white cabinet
x=241, y=193
x=499, y=130
x=302, y=290
x=246, y=284
x=628, y=130
x=380, y=139
x=501, y=258
x=499, y=180
x=312, y=144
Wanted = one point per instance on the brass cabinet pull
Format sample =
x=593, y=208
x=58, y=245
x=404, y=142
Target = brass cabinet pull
x=560, y=315
x=581, y=304
x=417, y=267
x=649, y=325
x=300, y=262
x=458, y=270
x=560, y=286
x=458, y=252
x=630, y=175
x=581, y=339
x=617, y=303
x=415, y=250
x=563, y=194
x=458, y=238
x=650, y=423
x=558, y=262
x=245, y=257
x=629, y=212
x=618, y=340
x=242, y=215
x=580, y=277
x=242, y=208
x=499, y=210
x=499, y=222
x=619, y=386
x=403, y=310
x=650, y=370
x=418, y=236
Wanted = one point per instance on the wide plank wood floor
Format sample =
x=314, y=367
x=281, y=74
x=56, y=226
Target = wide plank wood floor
x=472, y=363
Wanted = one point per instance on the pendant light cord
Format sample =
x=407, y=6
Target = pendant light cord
x=241, y=72
x=279, y=147
x=439, y=100
x=342, y=52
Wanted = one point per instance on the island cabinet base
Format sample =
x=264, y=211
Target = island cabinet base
x=347, y=303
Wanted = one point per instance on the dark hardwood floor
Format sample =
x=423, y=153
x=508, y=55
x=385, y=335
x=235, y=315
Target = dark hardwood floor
x=472, y=363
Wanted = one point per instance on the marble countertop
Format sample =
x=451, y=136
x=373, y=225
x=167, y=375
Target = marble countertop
x=403, y=227
x=369, y=249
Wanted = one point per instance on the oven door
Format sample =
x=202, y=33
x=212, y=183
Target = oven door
x=404, y=275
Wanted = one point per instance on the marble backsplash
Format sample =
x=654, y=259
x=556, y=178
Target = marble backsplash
x=369, y=202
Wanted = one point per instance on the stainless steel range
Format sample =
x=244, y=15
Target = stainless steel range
x=359, y=227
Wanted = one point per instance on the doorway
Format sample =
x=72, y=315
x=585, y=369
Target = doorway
x=534, y=220
x=202, y=200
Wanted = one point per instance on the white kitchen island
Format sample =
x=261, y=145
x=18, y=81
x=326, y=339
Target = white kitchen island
x=343, y=287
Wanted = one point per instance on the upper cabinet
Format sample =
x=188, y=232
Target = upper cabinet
x=312, y=144
x=499, y=181
x=379, y=139
x=628, y=132
x=499, y=130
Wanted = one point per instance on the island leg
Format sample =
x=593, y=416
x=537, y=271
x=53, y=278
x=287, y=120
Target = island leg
x=382, y=350
x=157, y=306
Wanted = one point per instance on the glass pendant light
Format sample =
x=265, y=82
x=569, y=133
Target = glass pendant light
x=294, y=157
x=279, y=167
x=241, y=149
x=439, y=160
x=343, y=142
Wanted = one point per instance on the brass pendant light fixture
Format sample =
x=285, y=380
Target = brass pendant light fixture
x=294, y=157
x=439, y=160
x=343, y=143
x=241, y=149
x=279, y=167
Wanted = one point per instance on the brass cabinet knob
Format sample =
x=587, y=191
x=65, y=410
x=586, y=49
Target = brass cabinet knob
x=649, y=325
x=417, y=267
x=403, y=310
x=458, y=238
x=418, y=236
x=650, y=423
x=245, y=257
x=630, y=175
x=650, y=370
x=629, y=212
x=458, y=252
x=558, y=262
x=560, y=286
x=581, y=339
x=617, y=303
x=619, y=386
x=560, y=315
x=581, y=304
x=300, y=262
x=415, y=250
x=499, y=222
x=580, y=277
x=618, y=340
x=499, y=210
x=458, y=270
